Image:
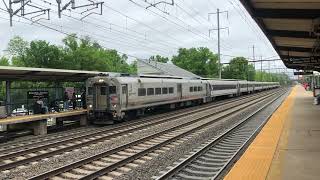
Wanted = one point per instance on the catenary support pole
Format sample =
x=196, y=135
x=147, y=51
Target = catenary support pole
x=8, y=98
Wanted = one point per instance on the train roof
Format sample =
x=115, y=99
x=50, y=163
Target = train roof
x=155, y=80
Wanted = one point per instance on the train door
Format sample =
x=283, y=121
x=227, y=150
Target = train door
x=208, y=89
x=124, y=95
x=101, y=96
x=179, y=90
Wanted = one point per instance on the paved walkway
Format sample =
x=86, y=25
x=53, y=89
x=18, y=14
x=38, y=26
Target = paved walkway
x=288, y=147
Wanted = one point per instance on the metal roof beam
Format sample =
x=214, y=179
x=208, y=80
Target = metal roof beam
x=296, y=49
x=293, y=34
x=298, y=57
x=287, y=13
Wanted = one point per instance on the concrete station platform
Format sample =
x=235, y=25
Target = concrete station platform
x=288, y=147
x=38, y=122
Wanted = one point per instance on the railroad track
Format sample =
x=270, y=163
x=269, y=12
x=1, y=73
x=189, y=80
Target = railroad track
x=121, y=157
x=26, y=144
x=212, y=160
x=32, y=154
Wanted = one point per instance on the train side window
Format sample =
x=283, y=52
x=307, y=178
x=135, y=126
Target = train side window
x=158, y=91
x=199, y=88
x=141, y=92
x=195, y=88
x=103, y=90
x=112, y=89
x=150, y=91
x=171, y=90
x=90, y=90
x=191, y=89
x=164, y=90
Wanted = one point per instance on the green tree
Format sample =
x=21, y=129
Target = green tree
x=17, y=46
x=85, y=54
x=4, y=61
x=239, y=68
x=282, y=78
x=133, y=67
x=200, y=61
x=43, y=55
x=159, y=58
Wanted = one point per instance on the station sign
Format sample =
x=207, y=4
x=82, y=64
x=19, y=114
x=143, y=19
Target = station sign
x=37, y=94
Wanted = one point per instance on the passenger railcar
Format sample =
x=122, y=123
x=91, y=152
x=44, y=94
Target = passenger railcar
x=113, y=98
x=223, y=88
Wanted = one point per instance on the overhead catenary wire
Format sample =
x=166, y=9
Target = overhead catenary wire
x=34, y=23
x=252, y=26
x=140, y=22
x=126, y=16
x=190, y=15
x=195, y=11
x=116, y=40
x=141, y=36
x=183, y=28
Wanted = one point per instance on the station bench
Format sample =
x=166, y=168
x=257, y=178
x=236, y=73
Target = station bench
x=38, y=122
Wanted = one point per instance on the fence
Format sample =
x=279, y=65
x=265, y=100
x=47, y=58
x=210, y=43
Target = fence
x=20, y=101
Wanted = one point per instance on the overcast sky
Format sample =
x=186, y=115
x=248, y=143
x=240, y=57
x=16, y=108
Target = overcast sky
x=129, y=27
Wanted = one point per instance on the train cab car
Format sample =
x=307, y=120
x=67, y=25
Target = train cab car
x=111, y=99
x=102, y=98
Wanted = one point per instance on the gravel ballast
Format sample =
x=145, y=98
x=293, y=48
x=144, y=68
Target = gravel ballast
x=154, y=167
x=144, y=172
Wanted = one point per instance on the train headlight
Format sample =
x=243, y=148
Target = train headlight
x=114, y=106
x=90, y=106
x=101, y=80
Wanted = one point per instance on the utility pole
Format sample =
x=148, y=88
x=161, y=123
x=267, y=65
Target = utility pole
x=35, y=12
x=261, y=67
x=254, y=58
x=218, y=29
x=219, y=54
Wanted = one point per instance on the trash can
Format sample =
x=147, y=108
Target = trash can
x=3, y=112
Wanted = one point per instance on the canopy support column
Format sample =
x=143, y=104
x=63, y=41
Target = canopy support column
x=8, y=98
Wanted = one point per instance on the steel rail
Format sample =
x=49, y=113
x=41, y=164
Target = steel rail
x=76, y=146
x=165, y=117
x=139, y=141
x=182, y=165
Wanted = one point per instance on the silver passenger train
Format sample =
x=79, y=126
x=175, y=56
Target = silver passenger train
x=111, y=98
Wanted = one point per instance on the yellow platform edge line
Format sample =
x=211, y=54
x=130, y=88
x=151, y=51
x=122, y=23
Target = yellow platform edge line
x=254, y=164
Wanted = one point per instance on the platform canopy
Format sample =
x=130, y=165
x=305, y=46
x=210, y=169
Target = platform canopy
x=293, y=28
x=44, y=74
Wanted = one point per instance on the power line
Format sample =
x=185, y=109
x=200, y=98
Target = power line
x=253, y=27
x=66, y=33
x=112, y=29
x=177, y=5
x=195, y=11
x=125, y=43
x=139, y=22
x=173, y=22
